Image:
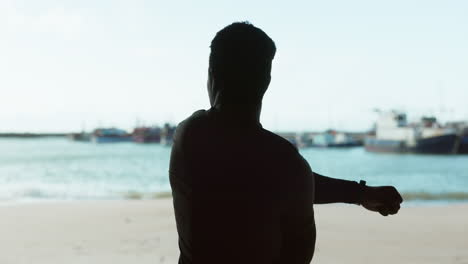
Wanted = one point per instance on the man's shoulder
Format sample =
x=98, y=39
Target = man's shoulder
x=279, y=142
x=191, y=124
x=193, y=120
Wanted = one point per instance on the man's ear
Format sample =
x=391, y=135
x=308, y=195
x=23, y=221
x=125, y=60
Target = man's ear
x=210, y=85
x=265, y=84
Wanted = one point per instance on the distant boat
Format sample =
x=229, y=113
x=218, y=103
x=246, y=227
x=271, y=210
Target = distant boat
x=434, y=145
x=463, y=148
x=394, y=134
x=463, y=141
x=80, y=137
x=147, y=134
x=167, y=134
x=110, y=135
x=334, y=139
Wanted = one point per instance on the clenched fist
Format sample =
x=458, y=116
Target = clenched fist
x=383, y=199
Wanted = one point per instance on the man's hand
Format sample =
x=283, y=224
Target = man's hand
x=386, y=200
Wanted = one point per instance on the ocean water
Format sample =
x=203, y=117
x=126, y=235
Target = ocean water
x=59, y=169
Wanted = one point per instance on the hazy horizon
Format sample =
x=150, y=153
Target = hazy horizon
x=68, y=65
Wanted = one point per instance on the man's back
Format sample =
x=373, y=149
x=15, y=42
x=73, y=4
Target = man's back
x=241, y=193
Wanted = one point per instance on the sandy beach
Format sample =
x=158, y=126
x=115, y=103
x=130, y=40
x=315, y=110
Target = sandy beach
x=144, y=232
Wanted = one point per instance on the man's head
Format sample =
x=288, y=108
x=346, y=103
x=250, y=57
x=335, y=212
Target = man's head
x=240, y=65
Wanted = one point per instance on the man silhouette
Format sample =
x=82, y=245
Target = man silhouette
x=241, y=193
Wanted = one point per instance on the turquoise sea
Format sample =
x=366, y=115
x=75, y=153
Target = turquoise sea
x=59, y=169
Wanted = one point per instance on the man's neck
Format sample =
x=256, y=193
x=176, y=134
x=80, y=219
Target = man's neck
x=249, y=113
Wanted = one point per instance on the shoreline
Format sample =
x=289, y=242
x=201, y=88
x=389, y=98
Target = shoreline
x=411, y=199
x=143, y=231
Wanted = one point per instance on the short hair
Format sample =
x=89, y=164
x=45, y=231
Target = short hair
x=241, y=56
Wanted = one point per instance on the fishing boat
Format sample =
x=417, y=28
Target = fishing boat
x=463, y=148
x=394, y=134
x=334, y=139
x=167, y=134
x=80, y=137
x=110, y=135
x=463, y=141
x=147, y=134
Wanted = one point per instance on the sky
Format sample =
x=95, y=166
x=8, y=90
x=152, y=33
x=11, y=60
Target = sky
x=71, y=65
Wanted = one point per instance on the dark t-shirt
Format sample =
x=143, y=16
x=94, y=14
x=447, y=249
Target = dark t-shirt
x=241, y=193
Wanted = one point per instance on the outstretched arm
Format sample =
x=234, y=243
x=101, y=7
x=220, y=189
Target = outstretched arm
x=331, y=190
x=383, y=199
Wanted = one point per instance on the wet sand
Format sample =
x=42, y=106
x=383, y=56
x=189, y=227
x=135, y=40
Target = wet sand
x=144, y=232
